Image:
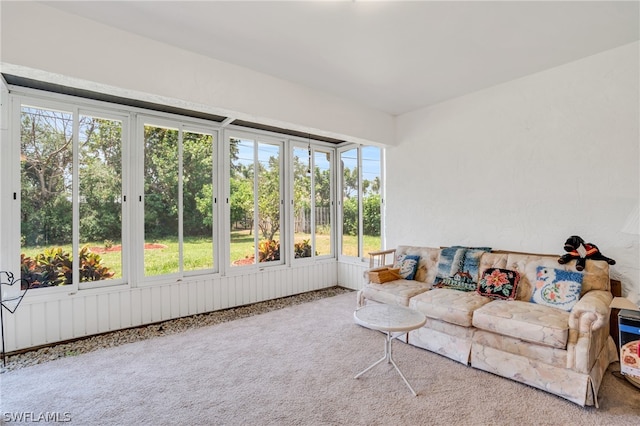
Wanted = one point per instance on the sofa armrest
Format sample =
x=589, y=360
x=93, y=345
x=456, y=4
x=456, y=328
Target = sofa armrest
x=589, y=331
x=591, y=312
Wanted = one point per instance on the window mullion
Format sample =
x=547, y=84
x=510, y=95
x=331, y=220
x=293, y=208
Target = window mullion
x=75, y=196
x=383, y=200
x=180, y=201
x=256, y=204
x=360, y=207
x=282, y=225
x=137, y=238
x=312, y=204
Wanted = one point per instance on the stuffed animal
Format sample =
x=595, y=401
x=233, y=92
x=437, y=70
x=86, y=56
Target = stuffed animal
x=576, y=248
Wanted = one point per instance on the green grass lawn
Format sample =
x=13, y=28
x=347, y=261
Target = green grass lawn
x=198, y=252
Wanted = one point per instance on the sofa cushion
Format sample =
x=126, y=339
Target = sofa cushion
x=498, y=283
x=427, y=266
x=397, y=292
x=596, y=272
x=526, y=321
x=408, y=265
x=452, y=306
x=492, y=260
x=557, y=288
x=458, y=267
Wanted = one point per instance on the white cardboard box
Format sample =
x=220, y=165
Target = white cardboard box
x=624, y=303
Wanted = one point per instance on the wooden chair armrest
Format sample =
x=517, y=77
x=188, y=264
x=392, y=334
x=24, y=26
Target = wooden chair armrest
x=378, y=258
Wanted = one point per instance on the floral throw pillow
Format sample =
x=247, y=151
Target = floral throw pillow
x=408, y=265
x=557, y=288
x=499, y=283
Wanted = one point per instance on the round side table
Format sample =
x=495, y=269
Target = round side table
x=389, y=319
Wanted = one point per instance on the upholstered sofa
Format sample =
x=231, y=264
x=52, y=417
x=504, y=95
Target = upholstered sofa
x=564, y=352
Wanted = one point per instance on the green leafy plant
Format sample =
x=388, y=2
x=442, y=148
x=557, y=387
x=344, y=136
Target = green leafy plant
x=302, y=249
x=268, y=251
x=35, y=275
x=54, y=267
x=91, y=267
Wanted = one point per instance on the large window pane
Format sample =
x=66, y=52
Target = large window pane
x=198, y=194
x=268, y=202
x=350, y=217
x=371, y=200
x=312, y=202
x=322, y=201
x=100, y=179
x=361, y=182
x=161, y=250
x=242, y=202
x=46, y=219
x=255, y=202
x=302, y=203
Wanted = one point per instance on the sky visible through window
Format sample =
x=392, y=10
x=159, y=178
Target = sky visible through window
x=370, y=158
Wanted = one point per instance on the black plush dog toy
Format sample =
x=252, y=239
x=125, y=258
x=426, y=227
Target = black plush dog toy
x=576, y=248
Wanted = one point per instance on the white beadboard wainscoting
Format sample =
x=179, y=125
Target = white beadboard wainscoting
x=42, y=320
x=350, y=275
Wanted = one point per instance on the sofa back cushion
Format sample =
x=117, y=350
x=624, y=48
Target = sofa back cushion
x=428, y=264
x=492, y=260
x=596, y=273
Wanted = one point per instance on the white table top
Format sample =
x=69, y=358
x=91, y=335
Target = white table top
x=389, y=317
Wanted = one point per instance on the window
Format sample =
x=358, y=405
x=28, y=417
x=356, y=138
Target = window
x=312, y=206
x=361, y=200
x=100, y=190
x=350, y=186
x=371, y=199
x=255, y=201
x=198, y=197
x=179, y=199
x=71, y=196
x=78, y=229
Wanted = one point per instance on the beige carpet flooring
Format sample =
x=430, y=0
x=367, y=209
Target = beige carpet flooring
x=293, y=366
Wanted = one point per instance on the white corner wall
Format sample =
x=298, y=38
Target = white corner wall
x=45, y=43
x=523, y=165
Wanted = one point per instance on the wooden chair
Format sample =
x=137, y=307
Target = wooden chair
x=379, y=258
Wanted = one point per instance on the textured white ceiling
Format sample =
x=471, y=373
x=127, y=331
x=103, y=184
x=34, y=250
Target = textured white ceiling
x=392, y=56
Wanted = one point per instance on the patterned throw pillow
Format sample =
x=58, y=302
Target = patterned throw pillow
x=458, y=267
x=499, y=283
x=408, y=265
x=557, y=288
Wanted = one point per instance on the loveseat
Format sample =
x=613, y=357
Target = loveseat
x=561, y=349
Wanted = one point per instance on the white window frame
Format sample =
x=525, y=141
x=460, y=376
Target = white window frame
x=182, y=125
x=125, y=212
x=132, y=225
x=361, y=257
x=332, y=204
x=256, y=137
x=64, y=103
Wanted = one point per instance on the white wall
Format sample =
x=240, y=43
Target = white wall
x=44, y=43
x=524, y=165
